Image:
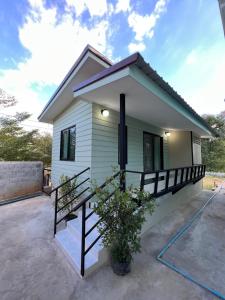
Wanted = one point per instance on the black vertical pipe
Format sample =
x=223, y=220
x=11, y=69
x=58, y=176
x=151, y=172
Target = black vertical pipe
x=56, y=208
x=83, y=232
x=123, y=142
x=156, y=182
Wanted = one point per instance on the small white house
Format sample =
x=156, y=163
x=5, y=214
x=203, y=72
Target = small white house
x=123, y=115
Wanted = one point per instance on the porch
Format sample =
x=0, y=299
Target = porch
x=34, y=268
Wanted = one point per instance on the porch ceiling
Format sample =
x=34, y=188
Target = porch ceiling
x=141, y=103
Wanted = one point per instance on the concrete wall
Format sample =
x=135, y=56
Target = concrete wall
x=179, y=149
x=168, y=203
x=20, y=178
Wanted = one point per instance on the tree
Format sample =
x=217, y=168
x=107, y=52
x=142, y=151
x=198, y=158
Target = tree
x=42, y=148
x=18, y=144
x=6, y=100
x=213, y=151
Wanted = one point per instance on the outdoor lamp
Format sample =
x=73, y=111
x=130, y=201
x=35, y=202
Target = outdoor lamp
x=167, y=133
x=105, y=112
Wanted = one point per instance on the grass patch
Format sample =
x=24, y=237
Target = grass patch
x=210, y=182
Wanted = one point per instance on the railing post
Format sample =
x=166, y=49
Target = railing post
x=167, y=179
x=156, y=182
x=56, y=208
x=142, y=181
x=175, y=177
x=191, y=175
x=182, y=176
x=195, y=171
x=187, y=173
x=82, y=267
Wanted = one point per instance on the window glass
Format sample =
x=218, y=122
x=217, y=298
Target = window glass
x=64, y=149
x=68, y=143
x=72, y=143
x=152, y=152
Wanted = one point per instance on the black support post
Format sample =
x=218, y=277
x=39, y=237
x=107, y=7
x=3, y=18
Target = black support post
x=123, y=142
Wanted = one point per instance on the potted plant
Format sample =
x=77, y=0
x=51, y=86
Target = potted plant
x=70, y=193
x=122, y=218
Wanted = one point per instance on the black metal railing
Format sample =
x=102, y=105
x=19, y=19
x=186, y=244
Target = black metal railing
x=59, y=197
x=172, y=180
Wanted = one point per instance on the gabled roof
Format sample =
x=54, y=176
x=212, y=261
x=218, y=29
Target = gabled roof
x=137, y=60
x=87, y=49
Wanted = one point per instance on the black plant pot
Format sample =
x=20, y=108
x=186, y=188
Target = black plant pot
x=70, y=217
x=121, y=269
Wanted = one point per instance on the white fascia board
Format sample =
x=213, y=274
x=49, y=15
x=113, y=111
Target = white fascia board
x=146, y=82
x=104, y=81
x=76, y=70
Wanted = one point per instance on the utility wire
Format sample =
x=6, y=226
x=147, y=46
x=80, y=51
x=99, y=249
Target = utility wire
x=28, y=125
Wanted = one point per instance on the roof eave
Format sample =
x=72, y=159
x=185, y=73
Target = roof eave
x=87, y=49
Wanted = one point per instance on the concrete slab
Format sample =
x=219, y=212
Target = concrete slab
x=200, y=251
x=32, y=267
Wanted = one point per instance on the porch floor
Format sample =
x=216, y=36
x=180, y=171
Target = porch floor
x=32, y=267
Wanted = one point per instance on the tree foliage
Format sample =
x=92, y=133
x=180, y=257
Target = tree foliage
x=122, y=218
x=213, y=151
x=6, y=100
x=18, y=144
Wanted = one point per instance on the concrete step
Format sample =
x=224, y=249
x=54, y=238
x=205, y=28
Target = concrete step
x=92, y=219
x=71, y=247
x=75, y=228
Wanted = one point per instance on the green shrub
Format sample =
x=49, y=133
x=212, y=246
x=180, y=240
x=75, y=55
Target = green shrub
x=122, y=218
x=70, y=193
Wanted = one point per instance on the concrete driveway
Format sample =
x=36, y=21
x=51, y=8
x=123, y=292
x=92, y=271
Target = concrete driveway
x=32, y=267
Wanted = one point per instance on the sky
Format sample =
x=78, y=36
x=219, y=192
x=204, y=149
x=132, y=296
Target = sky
x=41, y=39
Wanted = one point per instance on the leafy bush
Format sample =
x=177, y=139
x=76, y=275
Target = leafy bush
x=69, y=191
x=122, y=218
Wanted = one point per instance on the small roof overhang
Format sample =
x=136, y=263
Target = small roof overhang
x=148, y=97
x=88, y=63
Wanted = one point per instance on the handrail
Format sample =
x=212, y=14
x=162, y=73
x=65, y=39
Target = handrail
x=70, y=179
x=94, y=193
x=63, y=218
x=57, y=198
x=193, y=174
x=74, y=188
x=172, y=169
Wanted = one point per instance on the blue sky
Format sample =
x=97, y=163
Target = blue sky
x=182, y=40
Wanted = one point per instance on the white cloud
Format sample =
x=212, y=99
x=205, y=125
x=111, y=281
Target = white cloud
x=143, y=26
x=201, y=79
x=136, y=47
x=191, y=58
x=54, y=45
x=122, y=6
x=95, y=8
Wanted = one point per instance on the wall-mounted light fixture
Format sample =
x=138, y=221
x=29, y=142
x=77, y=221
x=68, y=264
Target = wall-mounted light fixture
x=105, y=112
x=167, y=133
